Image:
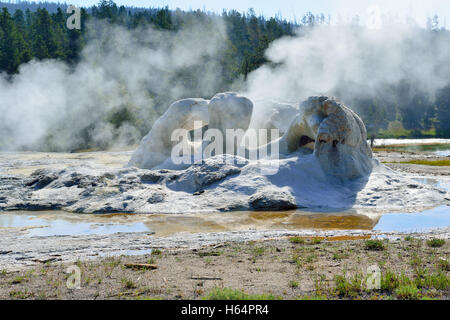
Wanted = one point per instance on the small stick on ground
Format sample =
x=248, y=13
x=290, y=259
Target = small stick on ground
x=141, y=266
x=205, y=278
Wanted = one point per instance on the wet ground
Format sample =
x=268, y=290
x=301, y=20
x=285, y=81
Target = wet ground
x=59, y=223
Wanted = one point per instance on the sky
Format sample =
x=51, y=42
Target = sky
x=295, y=9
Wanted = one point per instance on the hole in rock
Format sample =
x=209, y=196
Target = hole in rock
x=304, y=140
x=335, y=142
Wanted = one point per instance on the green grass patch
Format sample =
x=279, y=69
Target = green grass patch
x=156, y=252
x=389, y=281
x=296, y=240
x=259, y=251
x=428, y=298
x=435, y=243
x=423, y=279
x=128, y=284
x=408, y=292
x=340, y=255
x=311, y=258
x=20, y=294
x=297, y=260
x=233, y=294
x=210, y=254
x=374, y=245
x=443, y=264
x=416, y=261
x=313, y=297
x=348, y=287
x=18, y=279
x=439, y=281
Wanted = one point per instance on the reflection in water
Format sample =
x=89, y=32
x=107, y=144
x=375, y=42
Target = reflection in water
x=433, y=218
x=329, y=222
x=58, y=223
x=163, y=225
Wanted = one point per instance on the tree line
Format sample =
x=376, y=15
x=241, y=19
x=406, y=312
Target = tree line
x=37, y=33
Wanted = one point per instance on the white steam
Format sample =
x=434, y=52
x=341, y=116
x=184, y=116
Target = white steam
x=351, y=61
x=51, y=106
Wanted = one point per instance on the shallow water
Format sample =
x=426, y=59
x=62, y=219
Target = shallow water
x=443, y=153
x=415, y=222
x=443, y=184
x=58, y=223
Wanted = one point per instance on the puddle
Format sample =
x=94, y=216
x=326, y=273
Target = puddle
x=443, y=153
x=421, y=221
x=163, y=225
x=59, y=223
x=415, y=222
x=437, y=183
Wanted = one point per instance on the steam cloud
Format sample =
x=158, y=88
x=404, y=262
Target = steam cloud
x=51, y=106
x=351, y=61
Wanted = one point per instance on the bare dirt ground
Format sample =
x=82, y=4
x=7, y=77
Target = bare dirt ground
x=288, y=268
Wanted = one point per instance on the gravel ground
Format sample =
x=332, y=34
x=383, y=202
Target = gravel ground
x=283, y=268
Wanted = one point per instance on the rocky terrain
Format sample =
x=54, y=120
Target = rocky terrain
x=212, y=186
